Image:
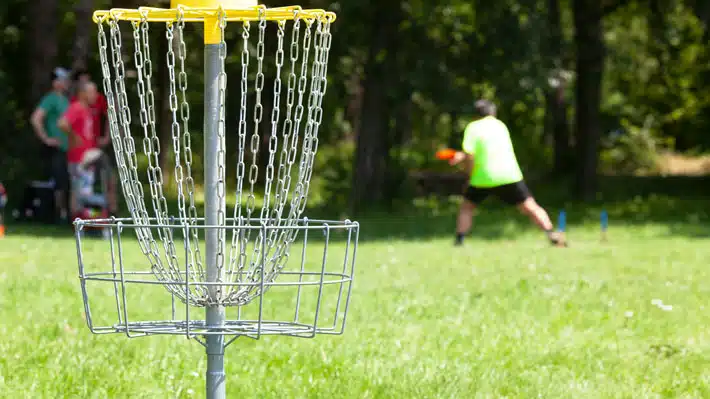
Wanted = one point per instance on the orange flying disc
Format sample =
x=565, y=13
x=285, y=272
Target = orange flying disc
x=445, y=154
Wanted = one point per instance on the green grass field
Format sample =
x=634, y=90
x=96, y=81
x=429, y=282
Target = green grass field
x=505, y=316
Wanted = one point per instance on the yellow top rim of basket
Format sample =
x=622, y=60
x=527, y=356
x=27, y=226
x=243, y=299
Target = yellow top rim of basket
x=205, y=14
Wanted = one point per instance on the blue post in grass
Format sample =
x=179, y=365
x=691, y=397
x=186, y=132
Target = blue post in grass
x=562, y=226
x=604, y=221
x=562, y=222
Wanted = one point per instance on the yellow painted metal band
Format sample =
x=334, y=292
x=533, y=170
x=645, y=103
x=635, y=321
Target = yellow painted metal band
x=233, y=4
x=213, y=33
x=202, y=14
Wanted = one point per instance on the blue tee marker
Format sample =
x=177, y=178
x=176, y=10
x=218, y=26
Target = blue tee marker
x=604, y=220
x=562, y=222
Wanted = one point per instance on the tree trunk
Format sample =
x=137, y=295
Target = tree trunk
x=372, y=144
x=590, y=65
x=354, y=107
x=80, y=48
x=456, y=134
x=556, y=101
x=43, y=51
x=701, y=8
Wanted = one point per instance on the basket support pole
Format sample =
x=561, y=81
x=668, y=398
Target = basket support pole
x=214, y=204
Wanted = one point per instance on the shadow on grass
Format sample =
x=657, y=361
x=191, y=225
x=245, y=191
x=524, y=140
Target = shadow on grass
x=680, y=203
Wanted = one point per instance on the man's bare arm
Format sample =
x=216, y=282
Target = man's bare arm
x=63, y=124
x=37, y=122
x=463, y=158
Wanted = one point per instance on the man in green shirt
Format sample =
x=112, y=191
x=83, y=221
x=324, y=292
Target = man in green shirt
x=489, y=156
x=44, y=122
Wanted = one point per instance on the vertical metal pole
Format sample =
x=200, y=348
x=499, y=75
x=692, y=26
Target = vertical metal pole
x=213, y=205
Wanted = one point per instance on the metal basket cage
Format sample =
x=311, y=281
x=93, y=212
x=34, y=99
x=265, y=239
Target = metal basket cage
x=311, y=295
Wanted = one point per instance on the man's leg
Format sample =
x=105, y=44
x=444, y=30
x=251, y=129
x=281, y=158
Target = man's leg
x=519, y=194
x=75, y=183
x=60, y=174
x=472, y=196
x=540, y=217
x=536, y=213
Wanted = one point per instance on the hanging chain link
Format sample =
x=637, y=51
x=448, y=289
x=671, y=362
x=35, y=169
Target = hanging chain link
x=284, y=177
x=256, y=262
x=302, y=85
x=288, y=147
x=274, y=138
x=221, y=127
x=286, y=235
x=258, y=113
x=139, y=212
x=175, y=125
x=151, y=147
x=176, y=132
x=320, y=78
x=195, y=257
x=126, y=151
x=238, y=255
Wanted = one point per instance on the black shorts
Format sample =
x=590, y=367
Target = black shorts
x=59, y=169
x=511, y=194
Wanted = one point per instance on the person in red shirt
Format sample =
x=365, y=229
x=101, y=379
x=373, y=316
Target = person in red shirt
x=78, y=122
x=102, y=139
x=99, y=108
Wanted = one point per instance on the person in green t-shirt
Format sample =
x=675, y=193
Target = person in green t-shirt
x=489, y=156
x=44, y=122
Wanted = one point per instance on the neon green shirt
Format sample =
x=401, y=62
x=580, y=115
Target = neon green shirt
x=54, y=106
x=494, y=161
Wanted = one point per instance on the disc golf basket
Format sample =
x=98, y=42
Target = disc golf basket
x=255, y=271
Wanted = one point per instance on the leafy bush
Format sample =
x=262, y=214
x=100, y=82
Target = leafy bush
x=632, y=150
x=332, y=176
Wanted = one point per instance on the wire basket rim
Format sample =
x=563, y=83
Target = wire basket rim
x=242, y=223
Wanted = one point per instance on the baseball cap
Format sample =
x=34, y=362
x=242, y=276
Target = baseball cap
x=60, y=73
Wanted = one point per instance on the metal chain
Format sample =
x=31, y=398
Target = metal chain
x=284, y=173
x=221, y=126
x=112, y=119
x=175, y=125
x=310, y=144
x=176, y=136
x=151, y=144
x=319, y=85
x=255, y=141
x=310, y=137
x=298, y=142
x=258, y=113
x=274, y=138
x=302, y=84
x=138, y=212
x=319, y=91
x=195, y=258
x=284, y=180
x=238, y=256
x=131, y=183
x=114, y=128
x=286, y=235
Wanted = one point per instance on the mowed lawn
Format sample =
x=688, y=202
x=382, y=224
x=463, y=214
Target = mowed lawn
x=500, y=317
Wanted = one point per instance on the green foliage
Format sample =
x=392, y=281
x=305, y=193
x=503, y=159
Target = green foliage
x=657, y=67
x=330, y=185
x=443, y=57
x=632, y=150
